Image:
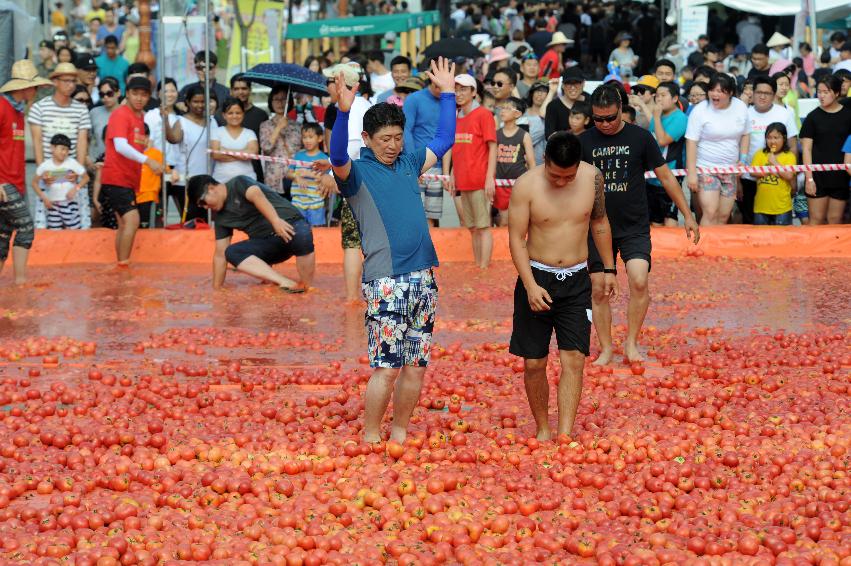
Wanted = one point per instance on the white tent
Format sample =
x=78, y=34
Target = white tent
x=16, y=30
x=826, y=10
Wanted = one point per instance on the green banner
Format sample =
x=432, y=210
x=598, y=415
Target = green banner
x=366, y=25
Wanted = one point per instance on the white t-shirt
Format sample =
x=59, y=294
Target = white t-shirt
x=843, y=65
x=193, y=149
x=225, y=171
x=359, y=108
x=381, y=83
x=759, y=121
x=154, y=120
x=58, y=191
x=718, y=132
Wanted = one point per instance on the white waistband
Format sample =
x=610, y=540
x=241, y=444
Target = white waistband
x=561, y=273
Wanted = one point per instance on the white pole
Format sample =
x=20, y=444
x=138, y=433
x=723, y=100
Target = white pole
x=207, y=83
x=814, y=27
x=161, y=73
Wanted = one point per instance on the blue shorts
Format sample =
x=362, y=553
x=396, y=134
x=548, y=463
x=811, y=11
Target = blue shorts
x=272, y=249
x=314, y=216
x=400, y=319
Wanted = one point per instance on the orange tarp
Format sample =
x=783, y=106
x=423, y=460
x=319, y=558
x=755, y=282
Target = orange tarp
x=55, y=247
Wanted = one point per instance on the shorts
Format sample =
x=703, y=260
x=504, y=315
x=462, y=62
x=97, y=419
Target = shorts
x=760, y=219
x=15, y=219
x=834, y=192
x=121, y=199
x=64, y=214
x=501, y=198
x=630, y=247
x=569, y=315
x=660, y=204
x=432, y=193
x=314, y=216
x=800, y=205
x=349, y=228
x=272, y=249
x=723, y=183
x=400, y=319
x=475, y=209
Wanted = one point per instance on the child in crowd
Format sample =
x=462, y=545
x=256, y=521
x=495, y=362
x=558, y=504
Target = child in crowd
x=515, y=153
x=305, y=189
x=773, y=202
x=629, y=114
x=580, y=117
x=60, y=197
x=150, y=187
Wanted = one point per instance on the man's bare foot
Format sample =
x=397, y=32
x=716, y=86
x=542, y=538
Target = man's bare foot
x=544, y=434
x=20, y=280
x=124, y=263
x=398, y=436
x=372, y=438
x=604, y=359
x=631, y=353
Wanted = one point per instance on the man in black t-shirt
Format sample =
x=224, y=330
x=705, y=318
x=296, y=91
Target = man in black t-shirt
x=623, y=152
x=276, y=231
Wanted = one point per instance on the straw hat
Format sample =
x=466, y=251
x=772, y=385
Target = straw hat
x=63, y=69
x=559, y=39
x=778, y=40
x=24, y=75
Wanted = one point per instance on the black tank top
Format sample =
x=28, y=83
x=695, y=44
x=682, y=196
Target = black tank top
x=510, y=154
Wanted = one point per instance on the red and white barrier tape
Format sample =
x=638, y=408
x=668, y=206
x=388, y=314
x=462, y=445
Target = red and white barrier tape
x=733, y=170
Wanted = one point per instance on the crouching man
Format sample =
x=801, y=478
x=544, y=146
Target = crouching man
x=276, y=231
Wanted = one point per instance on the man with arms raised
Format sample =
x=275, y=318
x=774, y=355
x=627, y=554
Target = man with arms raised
x=551, y=209
x=623, y=152
x=399, y=257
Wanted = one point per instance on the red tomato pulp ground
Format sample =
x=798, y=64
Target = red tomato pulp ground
x=146, y=419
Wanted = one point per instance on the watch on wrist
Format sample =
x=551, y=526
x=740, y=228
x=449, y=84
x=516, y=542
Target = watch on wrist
x=613, y=270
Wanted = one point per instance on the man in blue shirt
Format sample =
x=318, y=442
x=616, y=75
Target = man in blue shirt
x=111, y=64
x=422, y=109
x=399, y=256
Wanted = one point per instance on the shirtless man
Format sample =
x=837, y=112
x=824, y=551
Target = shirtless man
x=549, y=214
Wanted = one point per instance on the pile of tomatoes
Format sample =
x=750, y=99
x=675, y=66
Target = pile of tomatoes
x=722, y=449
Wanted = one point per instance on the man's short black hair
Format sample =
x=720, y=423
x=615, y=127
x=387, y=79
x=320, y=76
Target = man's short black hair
x=581, y=107
x=837, y=36
x=508, y=72
x=759, y=49
x=824, y=57
x=629, y=111
x=239, y=78
x=665, y=63
x=712, y=48
x=382, y=115
x=606, y=95
x=197, y=188
x=400, y=60
x=138, y=69
x=563, y=149
x=200, y=57
x=110, y=40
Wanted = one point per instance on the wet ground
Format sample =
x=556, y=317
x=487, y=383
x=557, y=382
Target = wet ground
x=118, y=308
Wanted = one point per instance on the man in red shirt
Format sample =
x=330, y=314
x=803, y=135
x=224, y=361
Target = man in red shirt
x=14, y=214
x=551, y=64
x=474, y=166
x=126, y=142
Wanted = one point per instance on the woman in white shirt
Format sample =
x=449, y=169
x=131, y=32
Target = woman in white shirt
x=233, y=137
x=716, y=136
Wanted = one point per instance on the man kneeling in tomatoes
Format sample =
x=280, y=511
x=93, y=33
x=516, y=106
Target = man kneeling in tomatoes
x=276, y=231
x=399, y=258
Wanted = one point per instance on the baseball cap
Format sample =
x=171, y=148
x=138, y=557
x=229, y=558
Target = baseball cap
x=139, y=83
x=573, y=75
x=649, y=81
x=85, y=61
x=466, y=80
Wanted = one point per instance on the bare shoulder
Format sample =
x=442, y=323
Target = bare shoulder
x=527, y=183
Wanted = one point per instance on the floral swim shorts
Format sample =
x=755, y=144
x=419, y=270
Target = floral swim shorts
x=400, y=319
x=726, y=184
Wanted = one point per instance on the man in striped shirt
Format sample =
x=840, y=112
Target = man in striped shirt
x=61, y=114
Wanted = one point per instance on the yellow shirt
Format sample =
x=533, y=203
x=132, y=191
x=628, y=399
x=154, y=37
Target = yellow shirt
x=773, y=193
x=57, y=19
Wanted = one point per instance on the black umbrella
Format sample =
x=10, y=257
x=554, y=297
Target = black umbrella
x=296, y=77
x=452, y=47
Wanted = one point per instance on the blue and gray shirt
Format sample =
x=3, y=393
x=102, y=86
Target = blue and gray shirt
x=388, y=208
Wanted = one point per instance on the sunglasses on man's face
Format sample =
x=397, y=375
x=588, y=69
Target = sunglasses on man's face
x=107, y=93
x=606, y=119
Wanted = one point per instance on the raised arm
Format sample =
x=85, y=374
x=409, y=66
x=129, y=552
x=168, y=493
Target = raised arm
x=442, y=74
x=340, y=162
